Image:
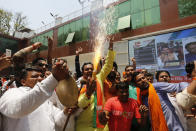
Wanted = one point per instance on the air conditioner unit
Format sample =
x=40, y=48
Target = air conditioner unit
x=70, y=37
x=124, y=22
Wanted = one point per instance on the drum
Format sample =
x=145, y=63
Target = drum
x=67, y=92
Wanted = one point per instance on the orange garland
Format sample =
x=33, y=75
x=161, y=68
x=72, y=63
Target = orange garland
x=156, y=113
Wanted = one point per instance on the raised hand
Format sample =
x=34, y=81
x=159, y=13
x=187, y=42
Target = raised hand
x=36, y=45
x=110, y=46
x=4, y=62
x=133, y=60
x=60, y=70
x=79, y=50
x=50, y=41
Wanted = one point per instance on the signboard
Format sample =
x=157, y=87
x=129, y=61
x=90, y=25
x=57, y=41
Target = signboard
x=169, y=51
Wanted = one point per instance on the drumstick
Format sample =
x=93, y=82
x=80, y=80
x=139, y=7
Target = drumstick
x=69, y=114
x=66, y=122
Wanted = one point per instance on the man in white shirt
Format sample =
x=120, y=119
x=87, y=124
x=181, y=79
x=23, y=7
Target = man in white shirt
x=187, y=98
x=27, y=108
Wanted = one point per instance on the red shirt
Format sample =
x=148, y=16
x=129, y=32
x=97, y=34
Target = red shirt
x=121, y=113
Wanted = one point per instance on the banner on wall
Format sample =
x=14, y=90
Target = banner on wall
x=169, y=51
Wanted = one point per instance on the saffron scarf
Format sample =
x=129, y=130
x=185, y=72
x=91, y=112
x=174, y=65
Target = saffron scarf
x=98, y=104
x=156, y=113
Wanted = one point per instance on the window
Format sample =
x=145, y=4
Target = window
x=143, y=13
x=43, y=39
x=80, y=27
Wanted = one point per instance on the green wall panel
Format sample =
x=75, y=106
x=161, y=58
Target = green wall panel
x=137, y=20
x=143, y=13
x=150, y=3
x=152, y=16
x=124, y=9
x=137, y=6
x=43, y=39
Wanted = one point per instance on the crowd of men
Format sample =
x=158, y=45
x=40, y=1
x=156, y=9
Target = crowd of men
x=106, y=101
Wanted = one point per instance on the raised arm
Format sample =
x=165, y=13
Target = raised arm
x=4, y=62
x=108, y=64
x=77, y=62
x=169, y=87
x=19, y=57
x=25, y=102
x=49, y=56
x=134, y=63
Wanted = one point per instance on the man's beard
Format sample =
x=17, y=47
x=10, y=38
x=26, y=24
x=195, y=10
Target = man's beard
x=144, y=86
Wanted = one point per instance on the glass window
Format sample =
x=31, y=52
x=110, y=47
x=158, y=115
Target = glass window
x=137, y=20
x=85, y=29
x=124, y=9
x=143, y=12
x=72, y=26
x=66, y=32
x=111, y=19
x=78, y=31
x=60, y=36
x=150, y=4
x=43, y=39
x=80, y=27
x=152, y=16
x=137, y=6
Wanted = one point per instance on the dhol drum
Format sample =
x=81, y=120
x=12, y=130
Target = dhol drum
x=67, y=92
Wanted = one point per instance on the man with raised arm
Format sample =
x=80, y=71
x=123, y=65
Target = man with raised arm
x=27, y=108
x=91, y=97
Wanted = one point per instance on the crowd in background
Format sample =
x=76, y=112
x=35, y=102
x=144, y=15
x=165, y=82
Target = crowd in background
x=134, y=101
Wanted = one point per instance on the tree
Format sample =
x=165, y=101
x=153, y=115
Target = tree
x=10, y=23
x=5, y=21
x=187, y=7
x=19, y=22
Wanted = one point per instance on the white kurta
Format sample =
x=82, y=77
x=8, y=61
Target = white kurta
x=26, y=109
x=71, y=124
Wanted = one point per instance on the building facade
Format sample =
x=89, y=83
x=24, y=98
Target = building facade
x=155, y=32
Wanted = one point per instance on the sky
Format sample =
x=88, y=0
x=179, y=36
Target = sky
x=39, y=10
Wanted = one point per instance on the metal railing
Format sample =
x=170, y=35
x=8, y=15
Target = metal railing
x=71, y=16
x=66, y=18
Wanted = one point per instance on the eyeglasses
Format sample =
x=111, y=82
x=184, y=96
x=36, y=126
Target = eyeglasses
x=41, y=64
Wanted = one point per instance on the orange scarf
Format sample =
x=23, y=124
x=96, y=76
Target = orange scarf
x=156, y=113
x=98, y=102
